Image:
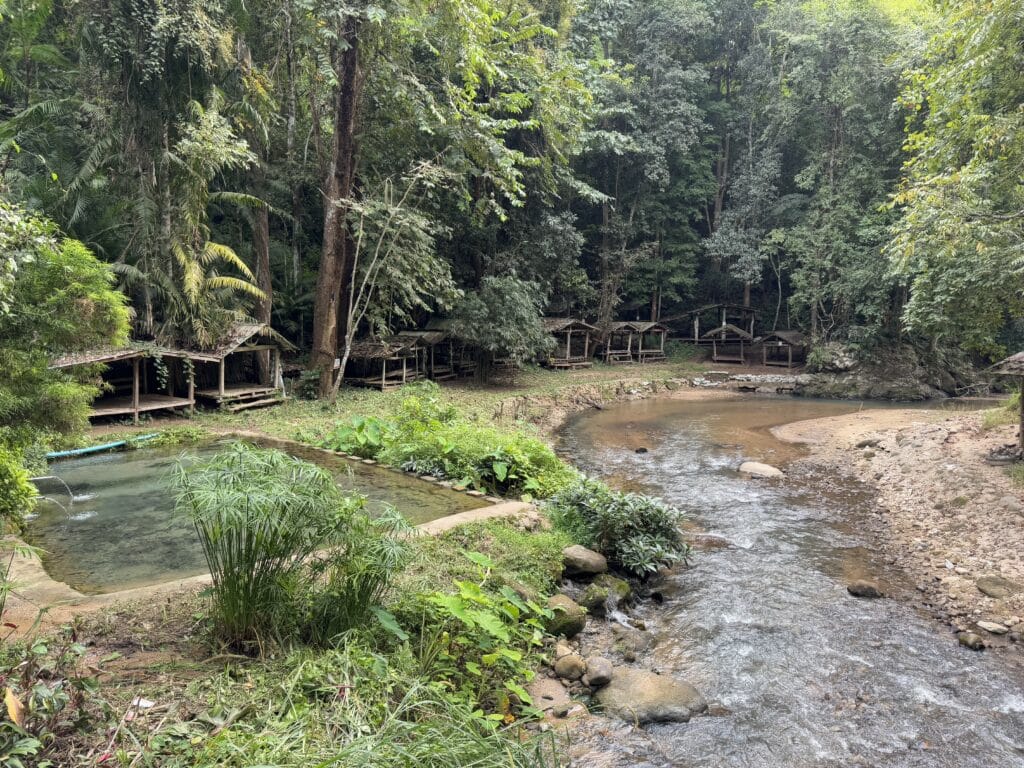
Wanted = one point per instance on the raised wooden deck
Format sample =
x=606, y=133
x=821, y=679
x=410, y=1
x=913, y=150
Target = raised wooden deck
x=120, y=406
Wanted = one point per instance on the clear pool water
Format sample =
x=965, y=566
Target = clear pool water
x=107, y=521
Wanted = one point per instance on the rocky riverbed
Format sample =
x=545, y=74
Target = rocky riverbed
x=948, y=518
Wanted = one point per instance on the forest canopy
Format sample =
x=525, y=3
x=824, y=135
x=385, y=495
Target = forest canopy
x=851, y=169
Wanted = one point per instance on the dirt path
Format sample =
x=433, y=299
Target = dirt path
x=951, y=520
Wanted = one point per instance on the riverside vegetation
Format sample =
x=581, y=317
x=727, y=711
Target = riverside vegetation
x=326, y=636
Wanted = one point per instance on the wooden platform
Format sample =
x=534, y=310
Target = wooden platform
x=570, y=362
x=121, y=406
x=239, y=392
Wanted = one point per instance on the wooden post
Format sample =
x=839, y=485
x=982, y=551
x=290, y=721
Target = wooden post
x=191, y=388
x=404, y=359
x=723, y=315
x=568, y=345
x=696, y=328
x=586, y=344
x=135, y=390
x=383, y=373
x=661, y=347
x=764, y=354
x=640, y=347
x=789, y=356
x=170, y=380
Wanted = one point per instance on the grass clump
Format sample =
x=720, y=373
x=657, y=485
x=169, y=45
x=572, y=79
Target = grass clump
x=1004, y=415
x=290, y=555
x=638, y=534
x=428, y=436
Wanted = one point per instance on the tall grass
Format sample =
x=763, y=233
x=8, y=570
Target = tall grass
x=260, y=515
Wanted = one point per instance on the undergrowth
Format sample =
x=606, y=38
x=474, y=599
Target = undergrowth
x=1004, y=415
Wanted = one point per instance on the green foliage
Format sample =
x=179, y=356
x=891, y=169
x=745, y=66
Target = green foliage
x=503, y=320
x=48, y=692
x=426, y=436
x=362, y=436
x=290, y=555
x=1008, y=413
x=17, y=494
x=635, y=532
x=958, y=241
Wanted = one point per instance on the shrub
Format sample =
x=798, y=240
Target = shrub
x=261, y=516
x=17, y=494
x=1004, y=415
x=363, y=436
x=636, y=533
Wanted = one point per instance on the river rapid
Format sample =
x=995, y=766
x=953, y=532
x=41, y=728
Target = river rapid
x=799, y=672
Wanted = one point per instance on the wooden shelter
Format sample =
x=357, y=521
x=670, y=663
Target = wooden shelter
x=133, y=376
x=1014, y=366
x=439, y=354
x=231, y=373
x=727, y=343
x=689, y=323
x=383, y=364
x=452, y=353
x=637, y=341
x=572, y=342
x=783, y=348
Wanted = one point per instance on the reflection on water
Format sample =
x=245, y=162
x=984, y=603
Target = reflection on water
x=809, y=676
x=113, y=526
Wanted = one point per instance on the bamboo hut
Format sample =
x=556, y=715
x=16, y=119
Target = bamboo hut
x=784, y=348
x=231, y=374
x=572, y=342
x=618, y=347
x=383, y=364
x=650, y=342
x=1014, y=366
x=728, y=343
x=438, y=350
x=453, y=353
x=133, y=377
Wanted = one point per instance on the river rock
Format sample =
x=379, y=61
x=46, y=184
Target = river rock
x=862, y=588
x=993, y=628
x=971, y=640
x=595, y=599
x=998, y=587
x=569, y=618
x=580, y=561
x=606, y=592
x=599, y=672
x=570, y=667
x=635, y=695
x=757, y=469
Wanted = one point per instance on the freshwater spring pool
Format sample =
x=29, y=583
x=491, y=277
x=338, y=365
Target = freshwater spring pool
x=113, y=526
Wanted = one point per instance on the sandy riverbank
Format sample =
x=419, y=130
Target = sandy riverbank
x=950, y=520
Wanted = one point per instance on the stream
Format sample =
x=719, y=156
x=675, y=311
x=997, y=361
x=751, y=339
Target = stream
x=801, y=673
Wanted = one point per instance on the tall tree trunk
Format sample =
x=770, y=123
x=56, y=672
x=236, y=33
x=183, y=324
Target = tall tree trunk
x=336, y=262
x=261, y=255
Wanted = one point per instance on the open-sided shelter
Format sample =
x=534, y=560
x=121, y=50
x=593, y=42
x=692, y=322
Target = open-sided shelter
x=784, y=348
x=688, y=324
x=231, y=375
x=728, y=343
x=383, y=364
x=133, y=377
x=572, y=342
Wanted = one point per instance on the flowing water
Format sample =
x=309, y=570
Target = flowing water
x=804, y=674
x=107, y=521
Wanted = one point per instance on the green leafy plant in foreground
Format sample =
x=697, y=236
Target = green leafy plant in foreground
x=635, y=532
x=362, y=436
x=17, y=494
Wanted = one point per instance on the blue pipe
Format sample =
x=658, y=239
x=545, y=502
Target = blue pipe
x=97, y=448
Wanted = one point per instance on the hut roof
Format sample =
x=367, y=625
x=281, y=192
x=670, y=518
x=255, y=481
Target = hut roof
x=728, y=330
x=380, y=349
x=239, y=334
x=639, y=326
x=114, y=354
x=558, y=324
x=793, y=338
x=427, y=338
x=708, y=307
x=1011, y=366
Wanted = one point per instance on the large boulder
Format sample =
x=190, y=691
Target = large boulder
x=635, y=695
x=599, y=672
x=569, y=619
x=863, y=588
x=582, y=562
x=757, y=469
x=570, y=667
x=998, y=587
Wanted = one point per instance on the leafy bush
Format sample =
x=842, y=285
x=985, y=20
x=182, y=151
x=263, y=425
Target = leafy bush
x=635, y=532
x=428, y=437
x=363, y=436
x=46, y=696
x=261, y=516
x=17, y=494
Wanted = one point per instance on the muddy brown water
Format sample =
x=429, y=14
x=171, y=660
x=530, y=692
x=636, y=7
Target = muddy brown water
x=804, y=674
